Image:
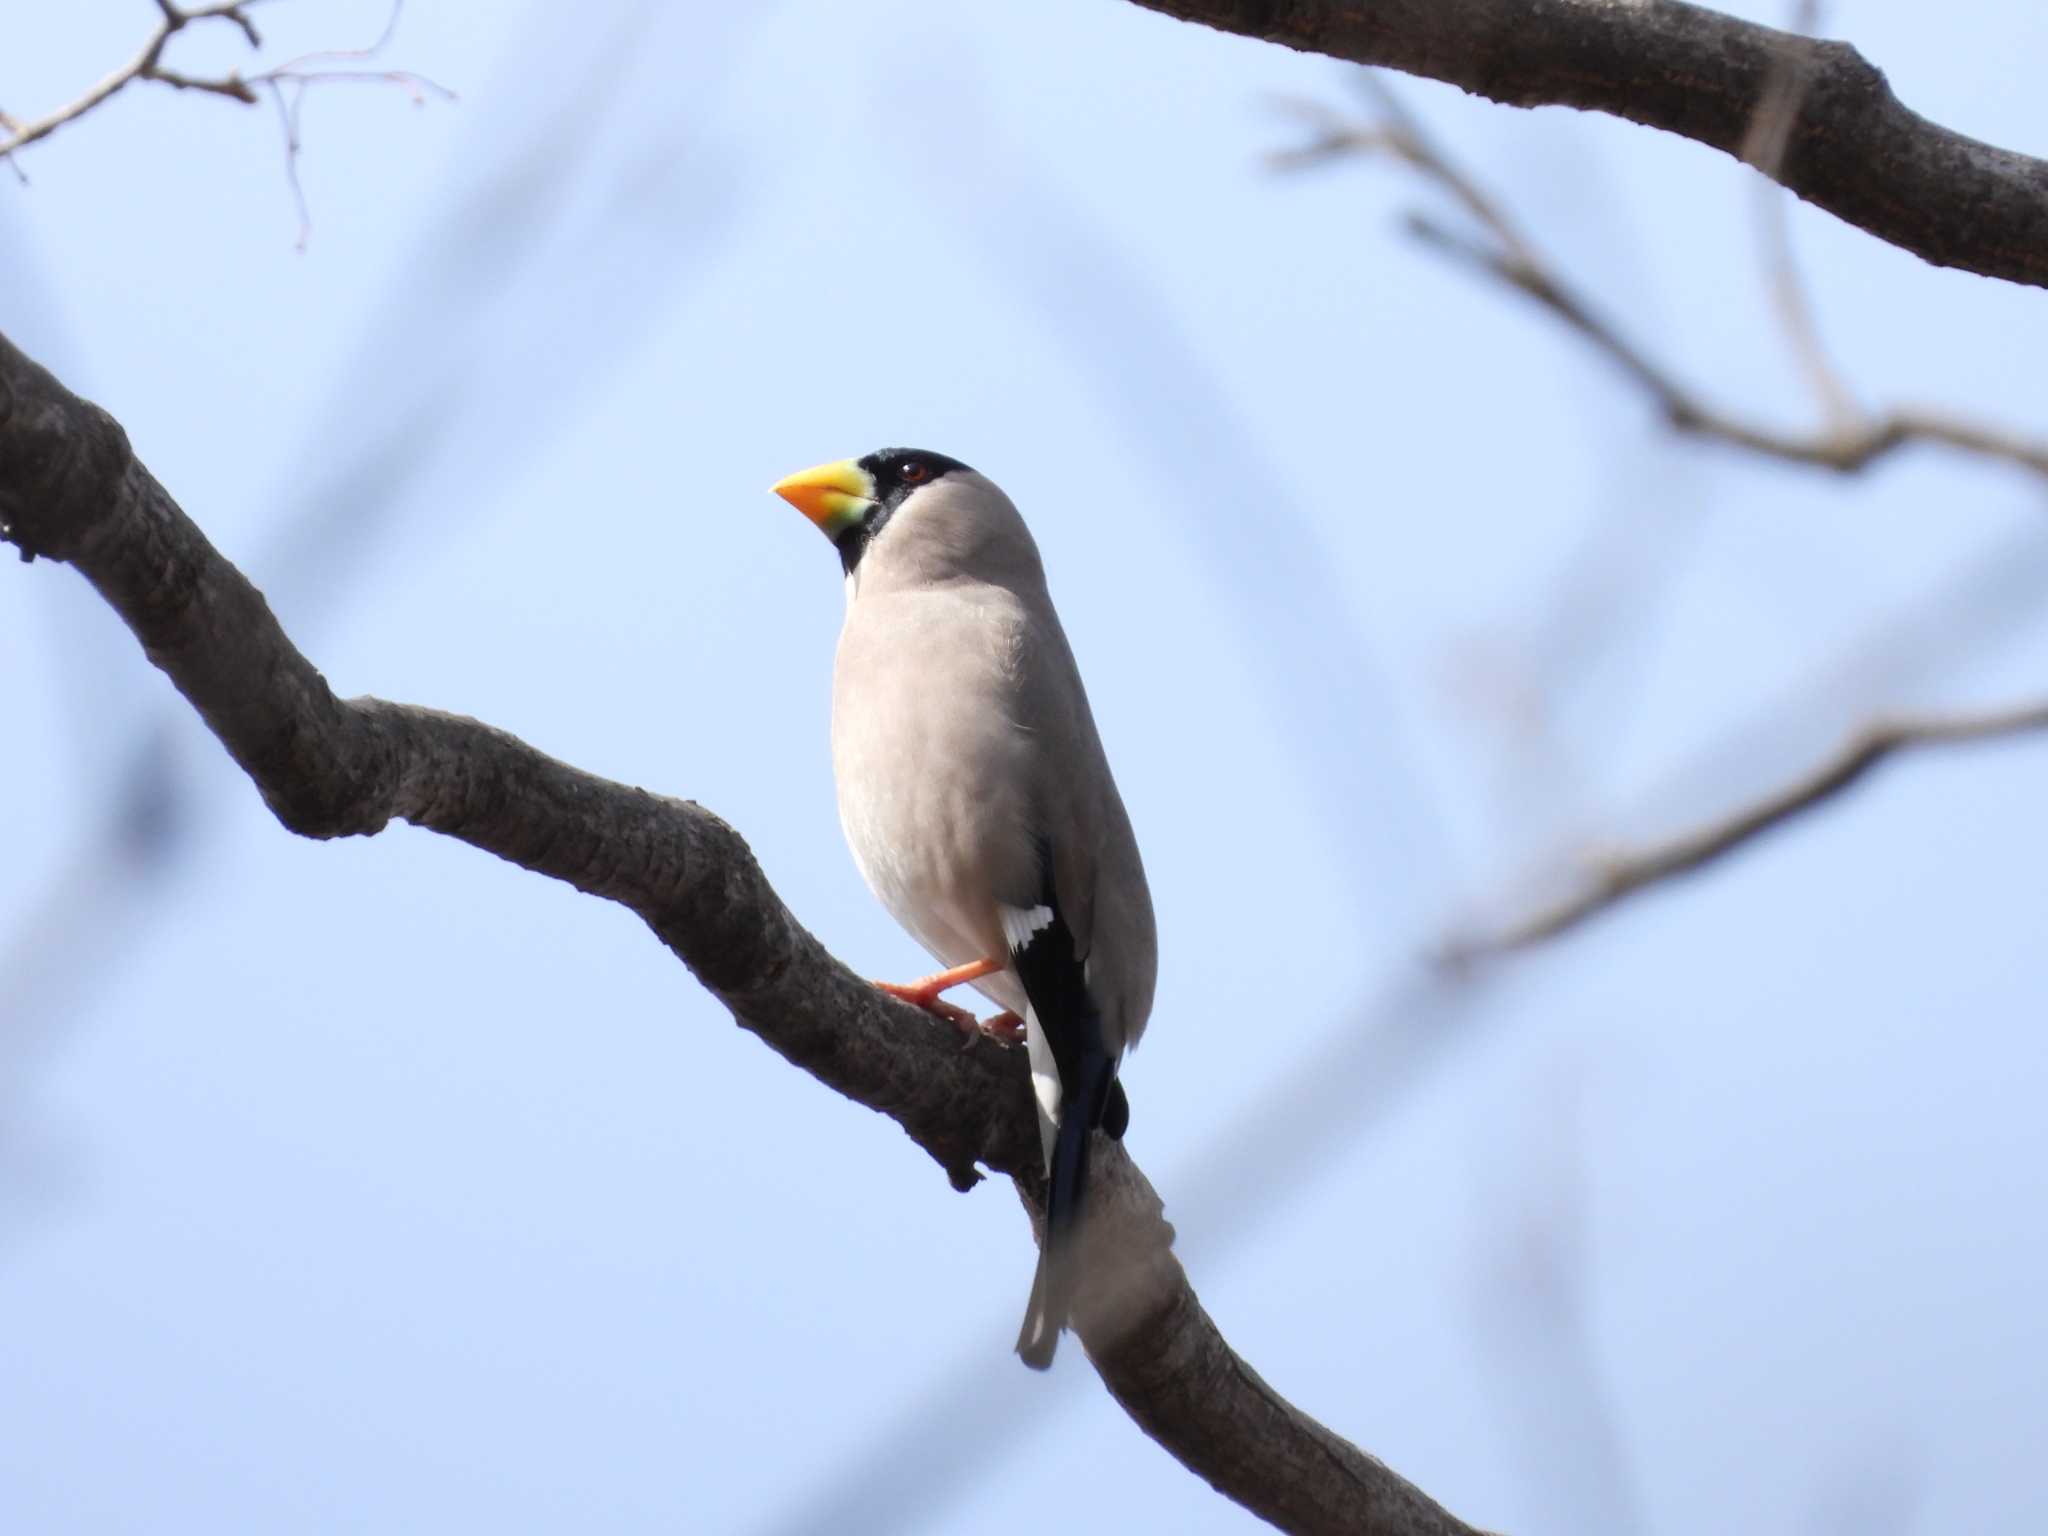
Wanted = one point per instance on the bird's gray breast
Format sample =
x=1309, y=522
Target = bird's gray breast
x=934, y=765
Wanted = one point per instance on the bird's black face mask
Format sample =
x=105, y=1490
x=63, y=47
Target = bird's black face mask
x=851, y=499
x=894, y=473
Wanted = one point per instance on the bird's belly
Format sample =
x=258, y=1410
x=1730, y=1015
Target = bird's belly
x=925, y=867
x=940, y=849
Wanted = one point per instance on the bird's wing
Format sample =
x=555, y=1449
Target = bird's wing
x=1082, y=947
x=1094, y=876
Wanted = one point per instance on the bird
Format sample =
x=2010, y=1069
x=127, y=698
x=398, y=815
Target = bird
x=979, y=806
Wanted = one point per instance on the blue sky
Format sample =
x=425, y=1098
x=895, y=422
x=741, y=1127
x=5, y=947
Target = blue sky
x=378, y=1185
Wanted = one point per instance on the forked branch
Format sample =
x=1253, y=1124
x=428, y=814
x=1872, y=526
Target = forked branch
x=284, y=83
x=1610, y=878
x=1849, y=439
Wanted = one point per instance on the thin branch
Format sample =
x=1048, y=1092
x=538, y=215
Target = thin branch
x=1853, y=147
x=1613, y=878
x=72, y=490
x=148, y=64
x=1764, y=149
x=1850, y=443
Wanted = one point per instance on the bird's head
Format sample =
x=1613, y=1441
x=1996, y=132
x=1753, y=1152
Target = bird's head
x=852, y=499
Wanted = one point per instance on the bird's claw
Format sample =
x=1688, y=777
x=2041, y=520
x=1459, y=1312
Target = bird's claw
x=920, y=996
x=1005, y=1029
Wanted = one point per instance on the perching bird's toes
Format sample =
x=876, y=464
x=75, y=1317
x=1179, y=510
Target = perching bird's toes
x=923, y=995
x=1005, y=1028
x=924, y=992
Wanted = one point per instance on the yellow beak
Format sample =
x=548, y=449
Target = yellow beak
x=834, y=496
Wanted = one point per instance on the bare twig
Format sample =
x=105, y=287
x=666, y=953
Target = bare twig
x=72, y=490
x=1850, y=442
x=148, y=65
x=1613, y=877
x=1764, y=148
x=288, y=82
x=1398, y=133
x=292, y=76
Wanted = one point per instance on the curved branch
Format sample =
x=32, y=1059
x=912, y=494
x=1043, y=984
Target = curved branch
x=1852, y=147
x=1612, y=878
x=71, y=490
x=1848, y=444
x=1851, y=439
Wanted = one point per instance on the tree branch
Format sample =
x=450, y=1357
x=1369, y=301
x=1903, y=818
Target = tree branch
x=72, y=490
x=1765, y=149
x=1613, y=878
x=148, y=65
x=1850, y=440
x=1852, y=147
x=294, y=75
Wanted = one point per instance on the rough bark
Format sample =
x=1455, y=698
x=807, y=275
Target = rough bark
x=71, y=490
x=1852, y=148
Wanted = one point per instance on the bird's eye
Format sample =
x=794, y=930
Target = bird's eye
x=914, y=471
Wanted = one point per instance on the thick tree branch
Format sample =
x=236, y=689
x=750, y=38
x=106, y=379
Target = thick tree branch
x=1852, y=148
x=1612, y=878
x=71, y=490
x=1850, y=440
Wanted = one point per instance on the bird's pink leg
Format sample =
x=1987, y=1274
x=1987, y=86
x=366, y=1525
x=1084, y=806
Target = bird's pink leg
x=925, y=991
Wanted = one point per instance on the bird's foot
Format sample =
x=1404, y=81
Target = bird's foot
x=922, y=994
x=1005, y=1029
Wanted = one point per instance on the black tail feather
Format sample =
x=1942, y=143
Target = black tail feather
x=1069, y=1021
x=1086, y=1098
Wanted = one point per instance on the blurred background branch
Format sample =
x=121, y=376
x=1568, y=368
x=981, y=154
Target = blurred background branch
x=1610, y=878
x=1849, y=441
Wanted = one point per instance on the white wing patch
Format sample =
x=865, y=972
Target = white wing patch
x=1045, y=1084
x=1020, y=923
